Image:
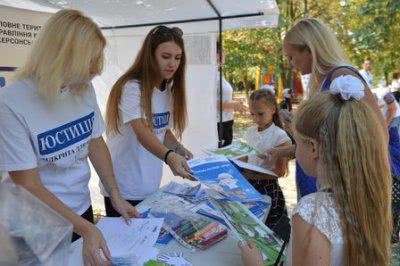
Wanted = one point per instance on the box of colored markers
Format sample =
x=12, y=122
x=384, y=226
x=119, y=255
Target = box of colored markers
x=190, y=229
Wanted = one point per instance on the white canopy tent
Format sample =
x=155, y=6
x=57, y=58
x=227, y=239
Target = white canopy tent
x=126, y=22
x=114, y=13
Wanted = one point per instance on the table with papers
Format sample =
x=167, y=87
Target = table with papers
x=142, y=234
x=136, y=243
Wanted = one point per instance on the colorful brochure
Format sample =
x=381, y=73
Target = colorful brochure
x=246, y=226
x=238, y=150
x=235, y=150
x=218, y=173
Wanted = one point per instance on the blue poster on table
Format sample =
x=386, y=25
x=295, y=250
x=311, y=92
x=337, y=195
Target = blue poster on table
x=217, y=173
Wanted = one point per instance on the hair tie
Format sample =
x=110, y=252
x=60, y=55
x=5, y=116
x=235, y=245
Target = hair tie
x=348, y=87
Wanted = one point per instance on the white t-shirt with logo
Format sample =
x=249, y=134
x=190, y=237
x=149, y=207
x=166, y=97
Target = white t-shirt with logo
x=227, y=97
x=138, y=172
x=54, y=138
x=262, y=141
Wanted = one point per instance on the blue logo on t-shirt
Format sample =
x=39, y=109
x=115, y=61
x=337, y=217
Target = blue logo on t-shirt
x=61, y=137
x=160, y=120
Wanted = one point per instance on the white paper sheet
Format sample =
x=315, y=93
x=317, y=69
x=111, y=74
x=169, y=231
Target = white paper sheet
x=136, y=238
x=132, y=243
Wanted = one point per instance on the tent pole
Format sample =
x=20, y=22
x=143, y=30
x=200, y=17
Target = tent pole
x=219, y=48
x=221, y=127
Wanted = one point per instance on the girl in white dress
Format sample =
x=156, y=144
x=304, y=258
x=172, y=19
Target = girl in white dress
x=348, y=220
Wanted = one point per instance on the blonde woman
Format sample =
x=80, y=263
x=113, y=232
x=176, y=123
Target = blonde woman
x=146, y=106
x=312, y=48
x=50, y=124
x=348, y=221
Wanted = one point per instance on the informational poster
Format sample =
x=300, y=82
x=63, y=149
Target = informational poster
x=18, y=29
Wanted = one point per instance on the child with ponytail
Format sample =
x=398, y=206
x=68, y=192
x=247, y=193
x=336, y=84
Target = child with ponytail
x=267, y=133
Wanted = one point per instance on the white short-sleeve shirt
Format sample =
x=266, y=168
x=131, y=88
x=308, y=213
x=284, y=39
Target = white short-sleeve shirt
x=52, y=137
x=227, y=97
x=262, y=141
x=138, y=172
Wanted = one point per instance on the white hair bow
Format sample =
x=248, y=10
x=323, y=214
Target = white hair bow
x=348, y=87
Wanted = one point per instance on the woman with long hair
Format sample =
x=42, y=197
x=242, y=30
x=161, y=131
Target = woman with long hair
x=51, y=124
x=145, y=106
x=312, y=48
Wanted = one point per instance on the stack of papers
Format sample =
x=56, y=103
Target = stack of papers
x=190, y=193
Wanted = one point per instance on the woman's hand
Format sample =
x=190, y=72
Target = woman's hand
x=179, y=166
x=181, y=150
x=251, y=256
x=93, y=242
x=124, y=208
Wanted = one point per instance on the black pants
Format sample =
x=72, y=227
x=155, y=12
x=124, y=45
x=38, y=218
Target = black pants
x=225, y=134
x=287, y=104
x=87, y=215
x=111, y=212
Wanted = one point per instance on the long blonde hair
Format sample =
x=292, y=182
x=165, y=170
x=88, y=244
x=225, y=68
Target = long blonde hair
x=145, y=70
x=63, y=54
x=353, y=154
x=313, y=35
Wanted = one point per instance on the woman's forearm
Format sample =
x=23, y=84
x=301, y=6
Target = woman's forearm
x=100, y=157
x=170, y=140
x=147, y=138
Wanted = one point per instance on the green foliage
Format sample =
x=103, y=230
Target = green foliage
x=364, y=27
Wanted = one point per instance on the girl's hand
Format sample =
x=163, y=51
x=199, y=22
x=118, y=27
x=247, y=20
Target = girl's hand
x=251, y=256
x=181, y=150
x=179, y=166
x=124, y=208
x=93, y=241
x=270, y=158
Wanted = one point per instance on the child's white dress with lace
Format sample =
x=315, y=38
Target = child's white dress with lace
x=319, y=209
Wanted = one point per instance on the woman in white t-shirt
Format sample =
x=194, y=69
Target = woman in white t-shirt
x=50, y=124
x=144, y=103
x=229, y=106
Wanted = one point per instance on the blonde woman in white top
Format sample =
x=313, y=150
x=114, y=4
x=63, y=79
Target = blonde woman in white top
x=51, y=124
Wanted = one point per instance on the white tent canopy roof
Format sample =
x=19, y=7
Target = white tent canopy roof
x=114, y=13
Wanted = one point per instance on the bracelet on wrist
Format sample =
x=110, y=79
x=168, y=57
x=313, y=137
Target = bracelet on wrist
x=166, y=155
